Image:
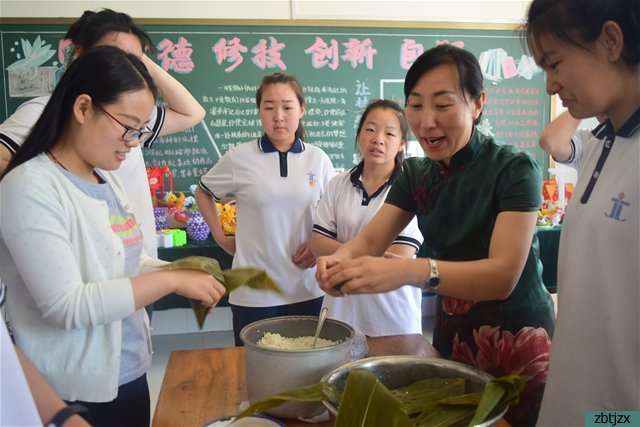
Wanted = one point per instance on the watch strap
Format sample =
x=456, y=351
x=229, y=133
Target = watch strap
x=433, y=281
x=67, y=412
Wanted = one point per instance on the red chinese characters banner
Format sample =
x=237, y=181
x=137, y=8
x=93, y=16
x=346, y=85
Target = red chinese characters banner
x=341, y=69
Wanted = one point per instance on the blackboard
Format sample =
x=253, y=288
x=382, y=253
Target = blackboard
x=341, y=66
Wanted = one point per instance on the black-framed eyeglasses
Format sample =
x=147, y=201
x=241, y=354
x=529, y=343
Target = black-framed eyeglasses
x=130, y=134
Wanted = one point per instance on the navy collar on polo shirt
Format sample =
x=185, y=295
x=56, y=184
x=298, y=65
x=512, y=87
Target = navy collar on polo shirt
x=356, y=180
x=605, y=132
x=266, y=146
x=605, y=129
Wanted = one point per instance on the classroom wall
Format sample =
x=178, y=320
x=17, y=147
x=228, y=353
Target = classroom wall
x=473, y=11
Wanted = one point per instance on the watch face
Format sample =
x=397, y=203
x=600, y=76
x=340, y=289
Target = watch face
x=434, y=282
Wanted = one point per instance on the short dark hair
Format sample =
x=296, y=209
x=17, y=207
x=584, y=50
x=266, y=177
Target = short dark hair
x=92, y=26
x=105, y=73
x=386, y=104
x=580, y=22
x=469, y=72
x=286, y=79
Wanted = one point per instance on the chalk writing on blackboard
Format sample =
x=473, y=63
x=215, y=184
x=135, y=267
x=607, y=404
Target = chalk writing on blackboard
x=340, y=68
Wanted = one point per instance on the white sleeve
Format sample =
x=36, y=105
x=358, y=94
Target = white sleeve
x=15, y=129
x=219, y=180
x=577, y=145
x=411, y=235
x=325, y=222
x=36, y=230
x=156, y=121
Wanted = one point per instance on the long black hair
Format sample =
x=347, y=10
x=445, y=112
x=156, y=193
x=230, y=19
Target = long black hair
x=104, y=73
x=92, y=26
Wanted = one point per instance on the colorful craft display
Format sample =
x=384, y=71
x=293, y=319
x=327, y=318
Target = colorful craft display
x=160, y=216
x=197, y=228
x=171, y=238
x=227, y=218
x=554, y=202
x=176, y=211
x=156, y=175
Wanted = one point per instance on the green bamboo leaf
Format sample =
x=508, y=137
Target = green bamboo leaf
x=200, y=311
x=251, y=277
x=230, y=278
x=312, y=393
x=367, y=402
x=505, y=390
x=423, y=395
x=471, y=399
x=201, y=263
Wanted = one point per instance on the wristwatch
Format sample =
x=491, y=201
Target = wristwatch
x=432, y=282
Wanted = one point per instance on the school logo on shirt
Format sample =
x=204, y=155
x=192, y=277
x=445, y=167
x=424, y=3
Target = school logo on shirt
x=616, y=209
x=311, y=178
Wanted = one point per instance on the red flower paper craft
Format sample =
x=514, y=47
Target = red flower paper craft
x=453, y=306
x=525, y=353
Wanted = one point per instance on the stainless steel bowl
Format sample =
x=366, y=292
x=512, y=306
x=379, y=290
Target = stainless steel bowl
x=400, y=371
x=271, y=371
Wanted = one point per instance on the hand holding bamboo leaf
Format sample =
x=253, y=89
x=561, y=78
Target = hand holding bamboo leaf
x=230, y=278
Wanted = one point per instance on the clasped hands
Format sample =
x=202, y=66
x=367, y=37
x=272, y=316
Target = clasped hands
x=362, y=275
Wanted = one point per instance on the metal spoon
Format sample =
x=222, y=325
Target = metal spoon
x=321, y=319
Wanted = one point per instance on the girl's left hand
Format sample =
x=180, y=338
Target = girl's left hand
x=303, y=257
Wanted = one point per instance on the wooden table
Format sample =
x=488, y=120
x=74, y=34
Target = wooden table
x=204, y=384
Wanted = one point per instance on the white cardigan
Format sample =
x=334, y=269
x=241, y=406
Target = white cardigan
x=64, y=268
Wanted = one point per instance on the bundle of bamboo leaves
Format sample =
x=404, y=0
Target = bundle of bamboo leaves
x=231, y=278
x=431, y=402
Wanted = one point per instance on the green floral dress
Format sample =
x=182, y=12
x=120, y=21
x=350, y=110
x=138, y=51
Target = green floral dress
x=457, y=207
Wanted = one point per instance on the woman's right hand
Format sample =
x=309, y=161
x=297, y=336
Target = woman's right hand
x=199, y=285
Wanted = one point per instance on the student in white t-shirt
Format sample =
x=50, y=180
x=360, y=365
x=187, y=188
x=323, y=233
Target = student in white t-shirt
x=110, y=28
x=351, y=200
x=563, y=141
x=590, y=53
x=277, y=181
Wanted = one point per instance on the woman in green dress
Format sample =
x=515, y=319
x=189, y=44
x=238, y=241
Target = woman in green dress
x=477, y=202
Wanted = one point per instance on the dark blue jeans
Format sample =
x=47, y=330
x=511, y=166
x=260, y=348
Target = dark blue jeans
x=132, y=407
x=242, y=316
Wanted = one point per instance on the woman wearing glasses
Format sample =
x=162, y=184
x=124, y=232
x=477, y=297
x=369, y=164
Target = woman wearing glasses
x=71, y=252
x=110, y=28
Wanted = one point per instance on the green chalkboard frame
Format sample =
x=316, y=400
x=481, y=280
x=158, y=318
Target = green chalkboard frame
x=517, y=111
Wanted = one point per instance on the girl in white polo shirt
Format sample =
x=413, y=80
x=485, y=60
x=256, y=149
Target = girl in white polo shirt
x=277, y=181
x=351, y=200
x=590, y=53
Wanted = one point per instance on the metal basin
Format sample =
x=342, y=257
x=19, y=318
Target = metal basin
x=271, y=371
x=399, y=371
